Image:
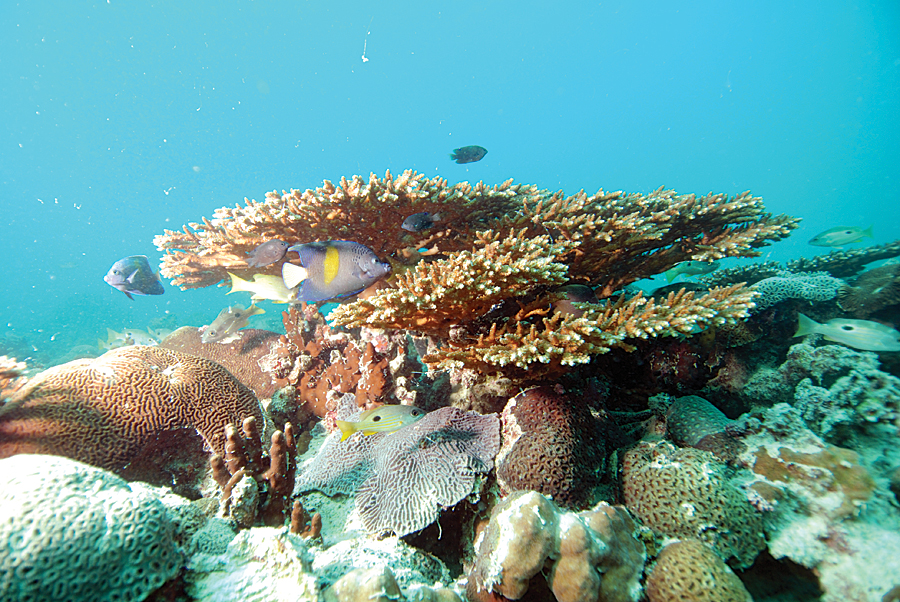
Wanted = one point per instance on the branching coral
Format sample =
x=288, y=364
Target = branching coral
x=483, y=278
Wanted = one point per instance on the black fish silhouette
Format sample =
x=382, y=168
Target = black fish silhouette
x=468, y=154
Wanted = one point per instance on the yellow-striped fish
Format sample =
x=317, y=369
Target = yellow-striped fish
x=380, y=420
x=330, y=269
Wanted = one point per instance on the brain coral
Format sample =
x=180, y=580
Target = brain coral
x=812, y=286
x=690, y=571
x=69, y=531
x=105, y=411
x=689, y=493
x=403, y=479
x=551, y=444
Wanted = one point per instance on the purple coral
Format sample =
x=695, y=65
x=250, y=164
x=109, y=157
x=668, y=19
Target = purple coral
x=403, y=479
x=553, y=445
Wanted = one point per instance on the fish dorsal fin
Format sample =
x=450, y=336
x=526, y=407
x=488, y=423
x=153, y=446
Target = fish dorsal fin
x=293, y=274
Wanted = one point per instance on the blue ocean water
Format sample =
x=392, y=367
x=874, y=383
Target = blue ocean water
x=121, y=119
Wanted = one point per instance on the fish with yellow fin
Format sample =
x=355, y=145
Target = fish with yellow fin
x=332, y=269
x=263, y=287
x=385, y=419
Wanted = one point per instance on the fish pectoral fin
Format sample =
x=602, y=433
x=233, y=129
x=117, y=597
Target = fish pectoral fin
x=293, y=275
x=131, y=278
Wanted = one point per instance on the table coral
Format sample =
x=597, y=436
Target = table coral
x=552, y=444
x=590, y=556
x=690, y=571
x=500, y=247
x=106, y=411
x=69, y=531
x=401, y=480
x=690, y=493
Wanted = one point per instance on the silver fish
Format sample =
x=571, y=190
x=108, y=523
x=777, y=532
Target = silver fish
x=859, y=334
x=840, y=236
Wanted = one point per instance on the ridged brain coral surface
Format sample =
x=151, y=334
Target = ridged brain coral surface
x=104, y=411
x=69, y=531
x=688, y=493
x=690, y=571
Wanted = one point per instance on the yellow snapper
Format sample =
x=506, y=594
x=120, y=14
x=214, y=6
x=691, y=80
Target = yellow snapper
x=331, y=269
x=263, y=287
x=229, y=321
x=385, y=419
x=840, y=236
x=859, y=334
x=691, y=268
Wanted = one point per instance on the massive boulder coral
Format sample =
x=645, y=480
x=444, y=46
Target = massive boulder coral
x=552, y=444
x=108, y=411
x=690, y=571
x=689, y=493
x=69, y=531
x=590, y=556
x=482, y=281
x=401, y=480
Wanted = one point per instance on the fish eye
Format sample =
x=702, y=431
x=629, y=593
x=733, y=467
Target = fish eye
x=376, y=418
x=415, y=412
x=846, y=327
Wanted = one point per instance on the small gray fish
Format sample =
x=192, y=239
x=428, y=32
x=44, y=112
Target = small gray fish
x=468, y=154
x=691, y=268
x=420, y=221
x=840, y=236
x=134, y=276
x=230, y=320
x=267, y=253
x=334, y=268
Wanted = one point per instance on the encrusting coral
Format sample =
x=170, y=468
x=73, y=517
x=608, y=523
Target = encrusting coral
x=483, y=278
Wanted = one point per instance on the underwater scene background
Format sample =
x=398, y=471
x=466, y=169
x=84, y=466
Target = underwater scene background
x=569, y=356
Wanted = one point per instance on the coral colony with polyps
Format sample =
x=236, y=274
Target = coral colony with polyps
x=566, y=435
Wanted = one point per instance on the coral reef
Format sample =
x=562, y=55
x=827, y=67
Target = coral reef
x=10, y=375
x=552, y=444
x=256, y=487
x=590, y=556
x=401, y=480
x=265, y=563
x=872, y=291
x=243, y=354
x=815, y=286
x=109, y=411
x=69, y=531
x=689, y=493
x=690, y=571
x=837, y=389
x=482, y=286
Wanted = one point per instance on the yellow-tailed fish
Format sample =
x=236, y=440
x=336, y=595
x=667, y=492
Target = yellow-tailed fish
x=331, y=269
x=380, y=420
x=840, y=236
x=859, y=334
x=229, y=321
x=263, y=287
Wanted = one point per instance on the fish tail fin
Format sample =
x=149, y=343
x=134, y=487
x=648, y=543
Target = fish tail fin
x=671, y=275
x=868, y=231
x=293, y=274
x=101, y=344
x=805, y=326
x=346, y=429
x=254, y=309
x=238, y=284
